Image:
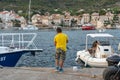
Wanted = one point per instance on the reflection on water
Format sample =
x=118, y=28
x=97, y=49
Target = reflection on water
x=44, y=40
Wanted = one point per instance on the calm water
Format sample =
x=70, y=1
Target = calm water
x=44, y=40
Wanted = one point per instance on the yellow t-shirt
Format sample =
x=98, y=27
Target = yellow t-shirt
x=61, y=41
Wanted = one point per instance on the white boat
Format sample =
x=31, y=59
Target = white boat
x=102, y=52
x=14, y=45
x=30, y=27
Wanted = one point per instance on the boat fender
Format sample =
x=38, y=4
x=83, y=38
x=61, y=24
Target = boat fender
x=119, y=47
x=119, y=63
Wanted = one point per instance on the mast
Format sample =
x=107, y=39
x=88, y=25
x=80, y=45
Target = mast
x=29, y=12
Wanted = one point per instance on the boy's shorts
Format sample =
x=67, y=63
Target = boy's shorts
x=60, y=54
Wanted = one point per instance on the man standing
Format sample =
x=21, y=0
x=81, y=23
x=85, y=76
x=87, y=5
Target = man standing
x=60, y=42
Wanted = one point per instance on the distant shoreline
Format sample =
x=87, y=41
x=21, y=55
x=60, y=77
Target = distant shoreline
x=50, y=28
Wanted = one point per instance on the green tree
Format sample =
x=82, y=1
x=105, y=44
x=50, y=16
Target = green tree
x=62, y=23
x=116, y=10
x=115, y=19
x=53, y=23
x=16, y=23
x=102, y=12
x=106, y=22
x=73, y=22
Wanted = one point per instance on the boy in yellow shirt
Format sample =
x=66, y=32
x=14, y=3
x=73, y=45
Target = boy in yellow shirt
x=60, y=42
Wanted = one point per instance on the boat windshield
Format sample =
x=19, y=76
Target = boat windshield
x=104, y=43
x=105, y=39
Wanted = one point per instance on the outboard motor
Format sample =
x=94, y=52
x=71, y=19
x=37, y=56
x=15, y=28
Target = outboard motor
x=113, y=60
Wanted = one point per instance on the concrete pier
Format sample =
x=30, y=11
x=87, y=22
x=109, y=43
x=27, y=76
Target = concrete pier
x=38, y=73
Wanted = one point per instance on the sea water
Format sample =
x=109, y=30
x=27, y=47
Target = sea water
x=44, y=40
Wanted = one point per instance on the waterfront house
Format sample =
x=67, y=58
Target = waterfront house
x=22, y=20
x=85, y=18
x=40, y=20
x=67, y=20
x=75, y=21
x=36, y=20
x=45, y=21
x=6, y=19
x=119, y=17
x=8, y=16
x=94, y=18
x=104, y=21
x=56, y=19
x=119, y=21
x=110, y=16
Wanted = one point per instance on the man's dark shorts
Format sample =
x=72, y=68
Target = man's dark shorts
x=60, y=54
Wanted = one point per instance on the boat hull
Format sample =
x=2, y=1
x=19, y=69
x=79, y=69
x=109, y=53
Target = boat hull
x=11, y=58
x=91, y=61
x=88, y=28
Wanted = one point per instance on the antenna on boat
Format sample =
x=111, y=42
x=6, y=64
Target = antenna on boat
x=29, y=12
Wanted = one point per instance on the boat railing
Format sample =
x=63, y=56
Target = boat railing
x=18, y=40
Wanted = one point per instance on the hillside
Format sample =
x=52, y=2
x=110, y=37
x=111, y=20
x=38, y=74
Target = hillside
x=61, y=5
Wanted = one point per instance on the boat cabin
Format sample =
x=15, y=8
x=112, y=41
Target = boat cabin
x=104, y=49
